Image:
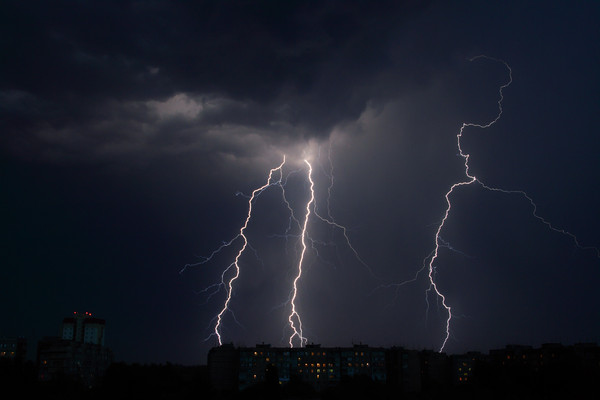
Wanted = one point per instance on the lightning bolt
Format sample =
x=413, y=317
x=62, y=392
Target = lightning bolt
x=235, y=265
x=470, y=180
x=294, y=317
x=473, y=179
x=231, y=273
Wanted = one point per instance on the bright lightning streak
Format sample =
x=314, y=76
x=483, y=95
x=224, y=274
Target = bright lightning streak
x=472, y=179
x=297, y=330
x=235, y=264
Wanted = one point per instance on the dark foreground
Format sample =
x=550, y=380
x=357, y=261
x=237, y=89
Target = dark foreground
x=134, y=381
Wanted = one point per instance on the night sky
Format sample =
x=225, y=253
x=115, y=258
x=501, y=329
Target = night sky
x=128, y=130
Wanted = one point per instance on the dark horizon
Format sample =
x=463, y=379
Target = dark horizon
x=31, y=353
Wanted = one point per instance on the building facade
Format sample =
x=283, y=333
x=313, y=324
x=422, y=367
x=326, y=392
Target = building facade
x=513, y=369
x=82, y=327
x=14, y=348
x=77, y=354
x=232, y=369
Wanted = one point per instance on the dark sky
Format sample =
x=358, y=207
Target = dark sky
x=128, y=127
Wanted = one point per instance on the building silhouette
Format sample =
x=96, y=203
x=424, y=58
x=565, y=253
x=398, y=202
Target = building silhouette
x=550, y=371
x=231, y=369
x=78, y=354
x=82, y=327
x=13, y=348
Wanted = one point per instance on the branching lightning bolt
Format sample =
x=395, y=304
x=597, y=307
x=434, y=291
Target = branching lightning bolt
x=470, y=180
x=232, y=272
x=228, y=284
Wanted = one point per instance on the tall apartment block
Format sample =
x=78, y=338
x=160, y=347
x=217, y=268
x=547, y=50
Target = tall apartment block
x=82, y=327
x=78, y=353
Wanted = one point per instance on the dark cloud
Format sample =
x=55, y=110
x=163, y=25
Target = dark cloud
x=299, y=65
